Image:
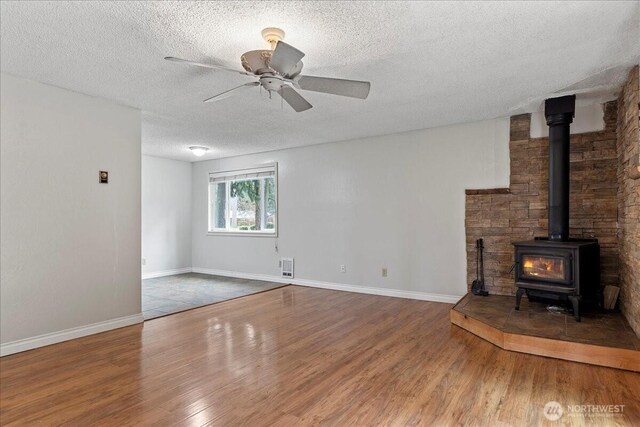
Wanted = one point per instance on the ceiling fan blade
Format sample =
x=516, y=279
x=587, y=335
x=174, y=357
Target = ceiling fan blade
x=294, y=99
x=200, y=64
x=284, y=58
x=351, y=88
x=295, y=71
x=228, y=93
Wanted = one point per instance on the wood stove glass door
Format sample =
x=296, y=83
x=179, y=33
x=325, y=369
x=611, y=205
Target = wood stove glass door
x=545, y=267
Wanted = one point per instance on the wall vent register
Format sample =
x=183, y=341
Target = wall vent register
x=286, y=267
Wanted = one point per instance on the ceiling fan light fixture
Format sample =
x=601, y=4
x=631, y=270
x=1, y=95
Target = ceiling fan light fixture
x=272, y=35
x=198, y=150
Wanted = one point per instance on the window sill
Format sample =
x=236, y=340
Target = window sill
x=240, y=233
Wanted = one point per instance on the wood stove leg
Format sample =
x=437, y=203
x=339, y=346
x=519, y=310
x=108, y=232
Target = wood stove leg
x=519, y=297
x=575, y=302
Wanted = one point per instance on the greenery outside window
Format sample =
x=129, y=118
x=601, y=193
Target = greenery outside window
x=244, y=201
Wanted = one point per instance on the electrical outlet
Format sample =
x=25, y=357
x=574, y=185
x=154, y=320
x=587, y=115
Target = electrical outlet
x=384, y=271
x=144, y=261
x=343, y=268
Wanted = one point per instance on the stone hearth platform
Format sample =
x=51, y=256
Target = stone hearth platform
x=603, y=339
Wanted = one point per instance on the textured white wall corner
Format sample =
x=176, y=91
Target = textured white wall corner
x=589, y=118
x=166, y=216
x=68, y=334
x=70, y=247
x=394, y=201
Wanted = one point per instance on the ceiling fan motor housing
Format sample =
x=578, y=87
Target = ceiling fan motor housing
x=256, y=61
x=271, y=82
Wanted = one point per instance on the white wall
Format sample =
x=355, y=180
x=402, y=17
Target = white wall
x=394, y=201
x=588, y=118
x=166, y=216
x=70, y=246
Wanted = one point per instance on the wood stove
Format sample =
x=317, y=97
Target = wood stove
x=557, y=267
x=551, y=270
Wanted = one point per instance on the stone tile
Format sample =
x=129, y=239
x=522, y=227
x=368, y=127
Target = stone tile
x=602, y=329
x=534, y=319
x=167, y=305
x=154, y=303
x=547, y=325
x=494, y=308
x=170, y=294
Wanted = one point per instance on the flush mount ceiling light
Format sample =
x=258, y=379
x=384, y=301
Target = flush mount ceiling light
x=198, y=150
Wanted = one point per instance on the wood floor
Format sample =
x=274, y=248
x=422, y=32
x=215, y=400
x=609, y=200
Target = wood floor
x=301, y=356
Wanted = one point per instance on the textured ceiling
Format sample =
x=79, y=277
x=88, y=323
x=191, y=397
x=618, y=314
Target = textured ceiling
x=429, y=64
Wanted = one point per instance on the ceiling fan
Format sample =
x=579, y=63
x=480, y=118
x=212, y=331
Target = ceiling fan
x=278, y=71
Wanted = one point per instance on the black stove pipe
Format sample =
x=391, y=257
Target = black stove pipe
x=559, y=113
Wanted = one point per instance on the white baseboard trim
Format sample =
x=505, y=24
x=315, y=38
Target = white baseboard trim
x=424, y=296
x=68, y=334
x=396, y=293
x=163, y=273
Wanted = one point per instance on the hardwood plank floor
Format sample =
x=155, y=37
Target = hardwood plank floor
x=301, y=356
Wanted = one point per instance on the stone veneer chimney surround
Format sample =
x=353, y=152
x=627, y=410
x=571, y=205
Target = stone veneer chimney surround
x=604, y=201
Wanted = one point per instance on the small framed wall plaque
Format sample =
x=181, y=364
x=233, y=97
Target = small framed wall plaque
x=103, y=177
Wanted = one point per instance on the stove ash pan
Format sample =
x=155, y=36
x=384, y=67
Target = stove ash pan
x=558, y=270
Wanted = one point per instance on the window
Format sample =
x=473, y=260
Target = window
x=244, y=201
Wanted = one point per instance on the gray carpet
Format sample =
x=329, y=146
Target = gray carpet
x=171, y=294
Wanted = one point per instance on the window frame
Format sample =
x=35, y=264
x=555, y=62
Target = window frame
x=246, y=233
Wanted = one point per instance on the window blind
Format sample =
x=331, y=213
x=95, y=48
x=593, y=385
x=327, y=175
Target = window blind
x=244, y=174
